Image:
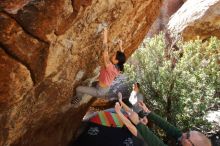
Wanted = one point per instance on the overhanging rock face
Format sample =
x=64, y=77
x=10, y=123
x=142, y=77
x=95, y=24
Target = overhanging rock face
x=47, y=48
x=196, y=18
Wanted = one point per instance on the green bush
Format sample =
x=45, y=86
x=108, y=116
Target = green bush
x=191, y=85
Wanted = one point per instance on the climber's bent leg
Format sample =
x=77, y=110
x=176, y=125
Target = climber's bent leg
x=81, y=90
x=93, y=91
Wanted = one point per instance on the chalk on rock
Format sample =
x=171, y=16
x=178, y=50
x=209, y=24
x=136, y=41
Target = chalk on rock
x=101, y=27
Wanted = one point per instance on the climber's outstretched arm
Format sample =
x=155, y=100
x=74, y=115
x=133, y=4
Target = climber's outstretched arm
x=120, y=45
x=105, y=47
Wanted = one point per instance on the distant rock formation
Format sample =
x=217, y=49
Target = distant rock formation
x=169, y=7
x=196, y=18
x=47, y=48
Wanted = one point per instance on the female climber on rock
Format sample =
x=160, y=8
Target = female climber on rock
x=109, y=71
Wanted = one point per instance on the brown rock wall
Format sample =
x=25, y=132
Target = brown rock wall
x=23, y=47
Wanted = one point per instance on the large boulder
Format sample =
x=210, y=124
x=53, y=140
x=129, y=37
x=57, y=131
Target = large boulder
x=169, y=7
x=47, y=48
x=196, y=18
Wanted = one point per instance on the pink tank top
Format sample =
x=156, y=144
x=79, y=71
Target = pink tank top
x=108, y=74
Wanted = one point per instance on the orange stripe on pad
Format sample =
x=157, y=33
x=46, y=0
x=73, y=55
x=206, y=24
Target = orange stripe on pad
x=111, y=119
x=103, y=118
x=107, y=119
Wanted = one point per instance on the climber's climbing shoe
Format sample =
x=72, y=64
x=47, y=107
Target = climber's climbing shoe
x=75, y=100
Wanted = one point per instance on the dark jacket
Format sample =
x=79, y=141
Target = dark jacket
x=139, y=140
x=150, y=137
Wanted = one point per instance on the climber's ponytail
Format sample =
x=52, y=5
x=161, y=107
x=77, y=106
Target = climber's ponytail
x=120, y=56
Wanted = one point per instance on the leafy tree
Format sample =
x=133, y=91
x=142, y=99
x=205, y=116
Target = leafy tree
x=183, y=87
